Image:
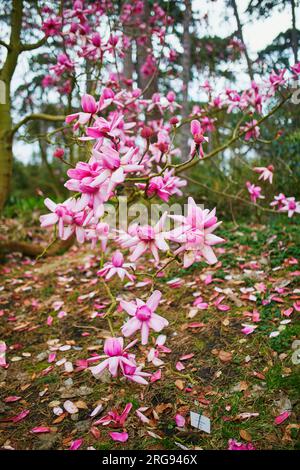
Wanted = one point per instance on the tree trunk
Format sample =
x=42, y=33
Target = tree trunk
x=5, y=150
x=149, y=84
x=128, y=67
x=34, y=250
x=186, y=72
x=128, y=64
x=6, y=74
x=294, y=32
x=241, y=37
x=54, y=185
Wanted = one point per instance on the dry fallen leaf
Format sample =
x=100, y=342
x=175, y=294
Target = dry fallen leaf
x=162, y=407
x=225, y=356
x=179, y=384
x=81, y=404
x=60, y=418
x=245, y=435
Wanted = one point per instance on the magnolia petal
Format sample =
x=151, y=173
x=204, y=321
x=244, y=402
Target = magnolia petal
x=119, y=436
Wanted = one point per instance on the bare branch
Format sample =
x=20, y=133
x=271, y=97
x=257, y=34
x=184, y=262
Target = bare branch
x=186, y=165
x=2, y=43
x=37, y=117
x=31, y=47
x=235, y=197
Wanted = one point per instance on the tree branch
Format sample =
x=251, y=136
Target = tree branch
x=231, y=196
x=2, y=43
x=36, y=250
x=36, y=45
x=37, y=117
x=235, y=137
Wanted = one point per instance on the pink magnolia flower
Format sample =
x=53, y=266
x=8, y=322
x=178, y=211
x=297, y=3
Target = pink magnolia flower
x=161, y=147
x=207, y=87
x=135, y=374
x=51, y=26
x=116, y=266
x=114, y=166
x=115, y=357
x=197, y=133
x=108, y=96
x=149, y=66
x=153, y=354
x=93, y=49
x=144, y=317
x=254, y=191
x=235, y=445
x=113, y=417
x=107, y=128
x=278, y=201
x=77, y=220
x=234, y=99
x=207, y=124
x=97, y=179
x=99, y=232
x=291, y=206
x=266, y=173
x=89, y=107
x=82, y=179
x=164, y=103
x=48, y=81
x=60, y=214
x=276, y=80
x=195, y=234
x=164, y=186
x=251, y=130
x=139, y=239
x=64, y=64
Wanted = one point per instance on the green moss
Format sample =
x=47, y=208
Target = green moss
x=199, y=345
x=47, y=379
x=284, y=341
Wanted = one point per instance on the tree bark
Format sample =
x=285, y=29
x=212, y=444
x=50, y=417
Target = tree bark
x=149, y=84
x=54, y=185
x=7, y=130
x=241, y=37
x=294, y=32
x=186, y=73
x=34, y=250
x=128, y=67
x=6, y=74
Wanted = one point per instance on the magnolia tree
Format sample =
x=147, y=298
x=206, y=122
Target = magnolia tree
x=132, y=165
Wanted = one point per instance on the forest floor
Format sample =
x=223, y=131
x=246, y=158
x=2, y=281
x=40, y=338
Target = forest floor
x=246, y=384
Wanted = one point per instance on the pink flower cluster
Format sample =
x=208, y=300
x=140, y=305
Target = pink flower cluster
x=286, y=204
x=195, y=234
x=116, y=358
x=130, y=147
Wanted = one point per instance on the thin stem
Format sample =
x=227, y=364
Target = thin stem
x=46, y=249
x=110, y=326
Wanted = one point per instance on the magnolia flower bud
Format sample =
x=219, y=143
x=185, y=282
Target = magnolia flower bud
x=58, y=153
x=147, y=132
